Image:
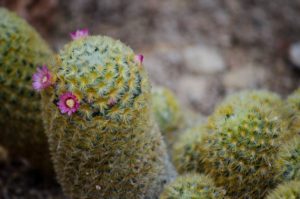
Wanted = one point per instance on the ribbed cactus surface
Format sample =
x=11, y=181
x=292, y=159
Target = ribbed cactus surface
x=102, y=134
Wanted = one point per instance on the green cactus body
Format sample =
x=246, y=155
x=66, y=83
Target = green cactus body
x=241, y=152
x=167, y=110
x=188, y=150
x=111, y=146
x=292, y=112
x=243, y=99
x=288, y=190
x=192, y=186
x=21, y=51
x=288, y=162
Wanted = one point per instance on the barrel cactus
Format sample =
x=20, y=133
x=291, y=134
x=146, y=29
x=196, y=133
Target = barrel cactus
x=102, y=134
x=21, y=51
x=192, y=186
x=288, y=190
x=242, y=150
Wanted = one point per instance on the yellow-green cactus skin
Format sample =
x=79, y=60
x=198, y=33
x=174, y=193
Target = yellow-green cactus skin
x=167, y=110
x=292, y=112
x=21, y=51
x=188, y=150
x=262, y=98
x=288, y=190
x=242, y=151
x=110, y=147
x=192, y=186
x=288, y=162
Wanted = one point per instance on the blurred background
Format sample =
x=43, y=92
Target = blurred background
x=201, y=49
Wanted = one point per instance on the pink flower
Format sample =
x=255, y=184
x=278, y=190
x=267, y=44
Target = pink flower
x=68, y=103
x=42, y=78
x=139, y=58
x=111, y=102
x=79, y=34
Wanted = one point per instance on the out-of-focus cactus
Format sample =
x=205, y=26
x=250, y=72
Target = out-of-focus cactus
x=292, y=112
x=102, y=134
x=21, y=51
x=192, y=186
x=187, y=153
x=167, y=110
x=288, y=190
x=288, y=162
x=242, y=150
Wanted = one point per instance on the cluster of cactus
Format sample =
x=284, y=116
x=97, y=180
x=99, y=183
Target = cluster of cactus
x=21, y=51
x=95, y=109
x=243, y=145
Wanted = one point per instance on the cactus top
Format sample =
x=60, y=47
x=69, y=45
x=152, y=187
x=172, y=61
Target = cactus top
x=103, y=77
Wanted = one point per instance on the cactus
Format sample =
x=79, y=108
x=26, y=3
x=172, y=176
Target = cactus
x=167, y=110
x=187, y=151
x=242, y=99
x=288, y=162
x=241, y=152
x=21, y=50
x=192, y=186
x=292, y=112
x=288, y=190
x=102, y=134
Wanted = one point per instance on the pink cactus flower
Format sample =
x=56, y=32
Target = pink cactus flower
x=79, y=34
x=111, y=102
x=68, y=103
x=139, y=58
x=42, y=78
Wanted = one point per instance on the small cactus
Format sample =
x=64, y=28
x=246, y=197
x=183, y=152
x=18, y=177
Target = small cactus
x=192, y=186
x=288, y=190
x=21, y=51
x=288, y=162
x=167, y=110
x=188, y=150
x=292, y=112
x=242, y=150
x=102, y=134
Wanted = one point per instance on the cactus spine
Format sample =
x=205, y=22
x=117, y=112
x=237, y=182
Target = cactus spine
x=21, y=51
x=102, y=135
x=192, y=186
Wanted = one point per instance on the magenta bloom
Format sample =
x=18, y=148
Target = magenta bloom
x=111, y=102
x=68, y=103
x=139, y=58
x=79, y=34
x=42, y=78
